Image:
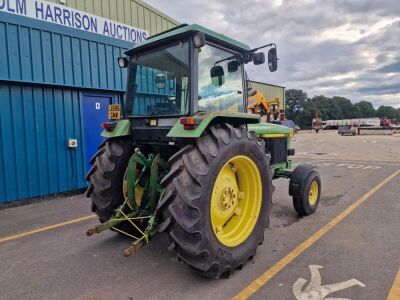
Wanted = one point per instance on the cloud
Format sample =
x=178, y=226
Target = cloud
x=381, y=89
x=344, y=48
x=390, y=68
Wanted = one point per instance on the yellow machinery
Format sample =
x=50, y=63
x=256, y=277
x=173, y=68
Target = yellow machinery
x=257, y=104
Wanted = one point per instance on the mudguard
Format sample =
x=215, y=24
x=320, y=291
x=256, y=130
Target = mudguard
x=122, y=128
x=204, y=119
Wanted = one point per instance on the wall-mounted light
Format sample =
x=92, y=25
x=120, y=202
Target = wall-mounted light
x=122, y=62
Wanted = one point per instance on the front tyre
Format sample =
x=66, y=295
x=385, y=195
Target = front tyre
x=305, y=187
x=218, y=200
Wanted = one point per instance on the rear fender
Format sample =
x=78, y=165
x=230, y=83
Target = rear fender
x=123, y=128
x=205, y=119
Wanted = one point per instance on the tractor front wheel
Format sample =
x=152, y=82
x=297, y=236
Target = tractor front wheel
x=305, y=187
x=218, y=200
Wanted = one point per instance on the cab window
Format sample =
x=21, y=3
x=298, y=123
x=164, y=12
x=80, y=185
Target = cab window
x=225, y=97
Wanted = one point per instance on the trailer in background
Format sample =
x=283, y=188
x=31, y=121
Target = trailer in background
x=365, y=122
x=375, y=131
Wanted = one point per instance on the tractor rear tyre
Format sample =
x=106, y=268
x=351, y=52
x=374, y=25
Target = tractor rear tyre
x=218, y=200
x=106, y=176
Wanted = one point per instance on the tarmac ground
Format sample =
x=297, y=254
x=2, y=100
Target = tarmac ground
x=348, y=249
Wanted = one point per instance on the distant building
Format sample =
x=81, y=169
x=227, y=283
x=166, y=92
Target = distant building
x=270, y=91
x=58, y=74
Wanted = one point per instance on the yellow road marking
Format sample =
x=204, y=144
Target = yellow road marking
x=23, y=234
x=394, y=293
x=281, y=264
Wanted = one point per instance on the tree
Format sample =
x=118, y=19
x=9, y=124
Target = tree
x=317, y=104
x=386, y=111
x=294, y=104
x=364, y=109
x=341, y=108
x=302, y=110
x=308, y=113
x=320, y=104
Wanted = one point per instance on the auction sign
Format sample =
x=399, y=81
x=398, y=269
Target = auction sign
x=62, y=15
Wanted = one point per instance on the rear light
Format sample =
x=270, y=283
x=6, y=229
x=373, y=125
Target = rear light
x=109, y=126
x=189, y=122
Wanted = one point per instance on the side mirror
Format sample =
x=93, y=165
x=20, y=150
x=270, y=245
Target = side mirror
x=217, y=75
x=272, y=60
x=122, y=62
x=259, y=58
x=199, y=40
x=233, y=66
x=160, y=80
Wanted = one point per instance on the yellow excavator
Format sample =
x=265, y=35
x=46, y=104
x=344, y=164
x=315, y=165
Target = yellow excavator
x=269, y=109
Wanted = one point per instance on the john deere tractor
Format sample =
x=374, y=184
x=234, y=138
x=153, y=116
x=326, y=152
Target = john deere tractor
x=187, y=159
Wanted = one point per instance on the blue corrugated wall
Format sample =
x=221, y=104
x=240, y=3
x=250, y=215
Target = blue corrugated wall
x=44, y=69
x=44, y=53
x=148, y=93
x=35, y=125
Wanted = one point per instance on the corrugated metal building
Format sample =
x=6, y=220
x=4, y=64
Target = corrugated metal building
x=270, y=91
x=56, y=82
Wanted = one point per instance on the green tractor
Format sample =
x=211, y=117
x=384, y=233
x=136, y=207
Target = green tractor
x=187, y=159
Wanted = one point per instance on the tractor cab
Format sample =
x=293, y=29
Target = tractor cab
x=186, y=71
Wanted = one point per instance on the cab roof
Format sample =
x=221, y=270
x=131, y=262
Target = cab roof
x=183, y=30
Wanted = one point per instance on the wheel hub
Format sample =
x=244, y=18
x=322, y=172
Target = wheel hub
x=313, y=193
x=236, y=200
x=227, y=195
x=228, y=198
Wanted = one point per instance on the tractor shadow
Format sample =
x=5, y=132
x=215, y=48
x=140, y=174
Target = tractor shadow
x=331, y=200
x=286, y=216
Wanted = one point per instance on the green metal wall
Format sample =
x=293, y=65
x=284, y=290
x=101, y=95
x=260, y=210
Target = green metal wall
x=131, y=12
x=270, y=91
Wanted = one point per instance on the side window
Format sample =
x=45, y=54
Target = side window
x=228, y=96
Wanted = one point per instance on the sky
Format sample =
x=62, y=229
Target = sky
x=332, y=48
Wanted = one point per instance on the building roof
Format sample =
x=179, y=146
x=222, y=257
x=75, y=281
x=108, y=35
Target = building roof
x=157, y=11
x=184, y=29
x=270, y=84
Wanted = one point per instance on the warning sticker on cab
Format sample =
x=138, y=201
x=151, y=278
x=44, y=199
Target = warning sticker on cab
x=114, y=111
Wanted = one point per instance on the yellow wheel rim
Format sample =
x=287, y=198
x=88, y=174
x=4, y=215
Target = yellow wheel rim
x=138, y=189
x=313, y=193
x=236, y=201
